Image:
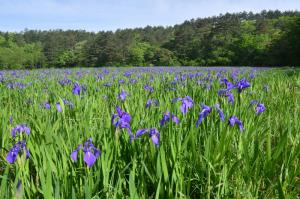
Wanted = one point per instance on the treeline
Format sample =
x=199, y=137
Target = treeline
x=269, y=38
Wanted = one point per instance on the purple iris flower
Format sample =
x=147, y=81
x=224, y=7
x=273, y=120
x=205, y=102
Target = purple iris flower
x=227, y=93
x=16, y=85
x=18, y=148
x=132, y=81
x=46, y=105
x=186, y=103
x=77, y=89
x=149, y=88
x=234, y=120
x=122, y=121
x=91, y=153
x=230, y=97
x=259, y=106
x=151, y=102
x=21, y=128
x=127, y=74
x=167, y=116
x=153, y=134
x=203, y=114
x=122, y=96
x=58, y=107
x=228, y=84
x=221, y=114
x=65, y=81
x=242, y=84
x=19, y=187
x=68, y=103
x=121, y=81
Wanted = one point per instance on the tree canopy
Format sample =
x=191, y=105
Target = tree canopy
x=269, y=38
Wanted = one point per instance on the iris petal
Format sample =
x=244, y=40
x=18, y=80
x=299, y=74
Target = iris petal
x=89, y=158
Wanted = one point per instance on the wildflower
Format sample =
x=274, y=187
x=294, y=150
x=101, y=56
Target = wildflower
x=227, y=93
x=149, y=88
x=122, y=96
x=166, y=117
x=153, y=134
x=132, y=81
x=77, y=89
x=259, y=106
x=65, y=81
x=234, y=120
x=46, y=105
x=203, y=114
x=58, y=107
x=91, y=153
x=123, y=121
x=121, y=81
x=242, y=84
x=186, y=103
x=68, y=103
x=16, y=85
x=19, y=187
x=20, y=147
x=151, y=102
x=228, y=84
x=22, y=128
x=221, y=114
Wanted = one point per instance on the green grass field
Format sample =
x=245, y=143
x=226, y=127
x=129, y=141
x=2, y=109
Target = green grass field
x=213, y=160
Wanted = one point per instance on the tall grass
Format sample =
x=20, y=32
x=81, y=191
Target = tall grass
x=214, y=160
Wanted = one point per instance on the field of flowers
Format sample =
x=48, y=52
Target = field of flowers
x=160, y=132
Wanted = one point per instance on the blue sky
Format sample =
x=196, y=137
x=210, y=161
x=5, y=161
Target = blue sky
x=96, y=15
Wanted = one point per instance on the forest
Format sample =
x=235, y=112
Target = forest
x=268, y=38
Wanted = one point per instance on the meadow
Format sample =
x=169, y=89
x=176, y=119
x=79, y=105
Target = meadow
x=150, y=132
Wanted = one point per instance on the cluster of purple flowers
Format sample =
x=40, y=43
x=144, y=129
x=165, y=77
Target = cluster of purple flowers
x=148, y=88
x=240, y=86
x=167, y=116
x=153, y=134
x=16, y=85
x=122, y=120
x=47, y=105
x=20, y=147
x=21, y=128
x=206, y=110
x=65, y=81
x=186, y=103
x=151, y=102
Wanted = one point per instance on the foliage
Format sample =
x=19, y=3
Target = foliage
x=266, y=38
x=214, y=160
